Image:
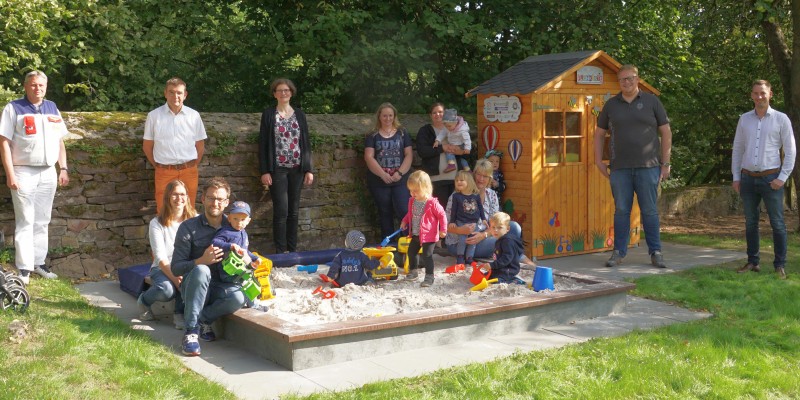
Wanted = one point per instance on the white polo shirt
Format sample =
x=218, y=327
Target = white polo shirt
x=174, y=135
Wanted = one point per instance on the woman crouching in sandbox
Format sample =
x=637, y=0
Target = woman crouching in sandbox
x=162, y=242
x=427, y=222
x=483, y=241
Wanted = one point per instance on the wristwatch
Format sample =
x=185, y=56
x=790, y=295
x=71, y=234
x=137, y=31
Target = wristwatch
x=665, y=164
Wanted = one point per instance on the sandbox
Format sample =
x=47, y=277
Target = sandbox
x=306, y=344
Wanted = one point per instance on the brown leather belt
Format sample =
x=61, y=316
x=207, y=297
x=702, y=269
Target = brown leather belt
x=188, y=164
x=757, y=174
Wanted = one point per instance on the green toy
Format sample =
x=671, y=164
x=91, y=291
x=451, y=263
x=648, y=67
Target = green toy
x=234, y=265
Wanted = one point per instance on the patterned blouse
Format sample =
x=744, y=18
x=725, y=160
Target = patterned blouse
x=287, y=141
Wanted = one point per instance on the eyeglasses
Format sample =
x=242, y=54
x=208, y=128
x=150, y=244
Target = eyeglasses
x=283, y=90
x=216, y=199
x=628, y=78
x=178, y=195
x=483, y=176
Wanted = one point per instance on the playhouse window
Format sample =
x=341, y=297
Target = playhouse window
x=562, y=137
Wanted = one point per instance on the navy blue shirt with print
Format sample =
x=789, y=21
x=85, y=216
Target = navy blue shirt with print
x=389, y=152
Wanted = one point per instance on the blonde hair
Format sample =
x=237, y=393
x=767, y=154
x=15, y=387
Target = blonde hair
x=422, y=181
x=500, y=218
x=395, y=123
x=484, y=166
x=628, y=67
x=168, y=213
x=466, y=176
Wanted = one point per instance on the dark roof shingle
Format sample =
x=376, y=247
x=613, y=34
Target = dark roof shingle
x=531, y=73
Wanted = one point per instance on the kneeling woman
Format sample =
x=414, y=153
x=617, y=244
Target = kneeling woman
x=162, y=233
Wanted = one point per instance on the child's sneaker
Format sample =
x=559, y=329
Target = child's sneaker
x=450, y=167
x=190, y=346
x=428, y=281
x=207, y=333
x=413, y=274
x=179, y=321
x=145, y=313
x=44, y=272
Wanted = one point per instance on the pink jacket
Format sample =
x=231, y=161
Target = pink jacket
x=432, y=222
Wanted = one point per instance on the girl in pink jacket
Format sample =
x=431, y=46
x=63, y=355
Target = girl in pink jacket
x=426, y=222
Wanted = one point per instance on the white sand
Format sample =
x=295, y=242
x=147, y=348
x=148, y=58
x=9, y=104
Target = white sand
x=294, y=301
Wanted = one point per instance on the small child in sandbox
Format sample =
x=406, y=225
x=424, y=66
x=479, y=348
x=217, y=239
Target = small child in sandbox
x=498, y=181
x=507, y=250
x=427, y=222
x=233, y=237
x=351, y=265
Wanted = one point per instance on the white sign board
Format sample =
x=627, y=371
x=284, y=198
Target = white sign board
x=502, y=108
x=590, y=75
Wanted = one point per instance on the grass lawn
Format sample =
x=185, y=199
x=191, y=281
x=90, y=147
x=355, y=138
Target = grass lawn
x=749, y=349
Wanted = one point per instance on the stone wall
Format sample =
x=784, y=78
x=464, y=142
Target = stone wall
x=100, y=220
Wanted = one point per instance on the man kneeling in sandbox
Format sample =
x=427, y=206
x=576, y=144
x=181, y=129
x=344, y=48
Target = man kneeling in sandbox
x=206, y=296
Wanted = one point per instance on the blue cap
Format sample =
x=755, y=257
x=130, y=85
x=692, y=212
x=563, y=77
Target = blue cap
x=450, y=115
x=240, y=207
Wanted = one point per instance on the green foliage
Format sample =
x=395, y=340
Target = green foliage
x=101, y=153
x=224, y=143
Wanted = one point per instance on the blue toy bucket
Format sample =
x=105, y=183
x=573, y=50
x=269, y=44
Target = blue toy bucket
x=543, y=279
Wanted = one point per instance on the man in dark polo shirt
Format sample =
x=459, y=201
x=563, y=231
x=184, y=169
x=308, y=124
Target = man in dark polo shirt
x=638, y=161
x=206, y=296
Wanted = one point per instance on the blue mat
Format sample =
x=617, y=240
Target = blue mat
x=131, y=279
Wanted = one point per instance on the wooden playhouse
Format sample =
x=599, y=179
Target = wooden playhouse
x=542, y=113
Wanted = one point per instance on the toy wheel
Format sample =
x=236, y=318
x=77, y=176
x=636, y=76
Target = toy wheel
x=12, y=279
x=17, y=299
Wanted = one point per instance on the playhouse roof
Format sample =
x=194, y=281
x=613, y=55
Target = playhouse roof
x=536, y=74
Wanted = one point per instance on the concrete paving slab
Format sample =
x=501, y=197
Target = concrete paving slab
x=348, y=375
x=249, y=376
x=539, y=339
x=637, y=261
x=585, y=330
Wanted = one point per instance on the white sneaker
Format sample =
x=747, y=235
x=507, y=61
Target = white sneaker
x=25, y=277
x=179, y=322
x=44, y=272
x=145, y=313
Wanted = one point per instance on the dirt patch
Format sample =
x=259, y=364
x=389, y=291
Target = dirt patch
x=726, y=226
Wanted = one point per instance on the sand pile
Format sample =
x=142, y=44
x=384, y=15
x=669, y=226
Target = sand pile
x=295, y=302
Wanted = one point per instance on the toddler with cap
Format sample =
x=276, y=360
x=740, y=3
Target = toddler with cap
x=232, y=236
x=351, y=265
x=457, y=134
x=498, y=181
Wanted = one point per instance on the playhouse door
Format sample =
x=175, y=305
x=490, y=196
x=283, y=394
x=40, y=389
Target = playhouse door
x=563, y=178
x=600, y=205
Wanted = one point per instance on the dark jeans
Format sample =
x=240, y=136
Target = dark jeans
x=392, y=202
x=285, y=192
x=426, y=256
x=753, y=190
x=644, y=183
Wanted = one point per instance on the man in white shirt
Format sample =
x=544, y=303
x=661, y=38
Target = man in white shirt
x=31, y=142
x=174, y=141
x=759, y=174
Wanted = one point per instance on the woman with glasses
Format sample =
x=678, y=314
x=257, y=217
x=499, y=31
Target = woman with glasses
x=491, y=204
x=388, y=155
x=162, y=232
x=434, y=161
x=284, y=157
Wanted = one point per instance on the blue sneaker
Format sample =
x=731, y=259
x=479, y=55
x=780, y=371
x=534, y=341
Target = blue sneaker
x=206, y=333
x=190, y=346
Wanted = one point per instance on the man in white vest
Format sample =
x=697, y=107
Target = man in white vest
x=31, y=142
